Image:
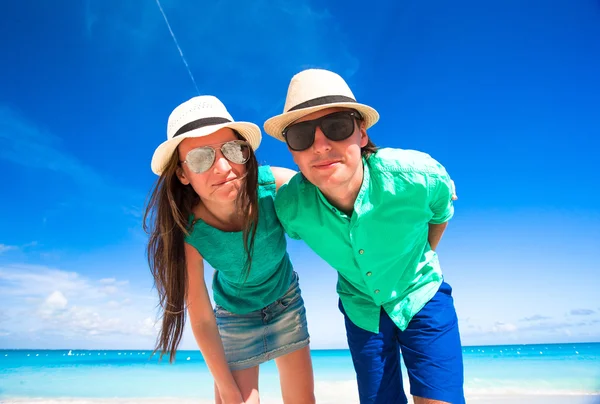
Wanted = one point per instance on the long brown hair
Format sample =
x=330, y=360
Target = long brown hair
x=370, y=147
x=166, y=220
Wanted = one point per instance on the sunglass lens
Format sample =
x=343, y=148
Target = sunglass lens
x=201, y=159
x=300, y=136
x=237, y=151
x=338, y=127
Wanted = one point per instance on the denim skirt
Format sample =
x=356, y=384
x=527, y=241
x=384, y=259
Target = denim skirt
x=259, y=336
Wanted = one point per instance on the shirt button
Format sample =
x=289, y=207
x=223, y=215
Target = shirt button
x=369, y=273
x=376, y=291
x=361, y=252
x=333, y=210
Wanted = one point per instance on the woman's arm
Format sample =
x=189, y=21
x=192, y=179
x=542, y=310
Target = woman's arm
x=282, y=175
x=204, y=327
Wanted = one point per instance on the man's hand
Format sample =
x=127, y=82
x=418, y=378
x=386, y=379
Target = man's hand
x=454, y=196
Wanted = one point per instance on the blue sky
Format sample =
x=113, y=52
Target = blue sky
x=505, y=94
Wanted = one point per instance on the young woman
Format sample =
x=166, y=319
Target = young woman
x=213, y=202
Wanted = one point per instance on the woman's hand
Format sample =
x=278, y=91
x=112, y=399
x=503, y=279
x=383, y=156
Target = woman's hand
x=231, y=396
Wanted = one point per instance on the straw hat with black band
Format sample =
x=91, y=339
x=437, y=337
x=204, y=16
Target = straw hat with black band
x=200, y=116
x=313, y=90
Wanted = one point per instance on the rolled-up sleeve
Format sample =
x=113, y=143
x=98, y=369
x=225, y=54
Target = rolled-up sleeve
x=440, y=196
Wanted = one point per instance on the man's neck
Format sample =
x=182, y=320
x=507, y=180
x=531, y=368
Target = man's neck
x=344, y=196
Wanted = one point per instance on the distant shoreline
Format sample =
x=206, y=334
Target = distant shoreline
x=312, y=349
x=475, y=399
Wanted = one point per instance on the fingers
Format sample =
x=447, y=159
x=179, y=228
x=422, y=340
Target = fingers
x=454, y=196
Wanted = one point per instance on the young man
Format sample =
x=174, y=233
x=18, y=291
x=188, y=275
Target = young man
x=376, y=216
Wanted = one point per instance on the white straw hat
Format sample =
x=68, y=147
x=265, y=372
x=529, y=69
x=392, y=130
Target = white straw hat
x=200, y=116
x=313, y=90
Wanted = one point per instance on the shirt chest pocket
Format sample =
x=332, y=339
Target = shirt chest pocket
x=379, y=240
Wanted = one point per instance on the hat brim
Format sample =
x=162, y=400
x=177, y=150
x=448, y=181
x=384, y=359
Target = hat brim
x=164, y=151
x=274, y=126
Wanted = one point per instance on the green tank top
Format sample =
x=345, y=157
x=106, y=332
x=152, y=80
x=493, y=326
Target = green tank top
x=271, y=272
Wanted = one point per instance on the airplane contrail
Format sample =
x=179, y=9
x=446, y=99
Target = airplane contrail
x=178, y=47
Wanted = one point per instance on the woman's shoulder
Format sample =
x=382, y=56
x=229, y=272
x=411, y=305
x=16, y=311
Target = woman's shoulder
x=273, y=177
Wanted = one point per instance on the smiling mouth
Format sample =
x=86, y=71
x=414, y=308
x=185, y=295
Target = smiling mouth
x=325, y=164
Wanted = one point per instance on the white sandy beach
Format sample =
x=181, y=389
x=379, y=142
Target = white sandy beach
x=326, y=395
x=337, y=392
x=340, y=392
x=491, y=399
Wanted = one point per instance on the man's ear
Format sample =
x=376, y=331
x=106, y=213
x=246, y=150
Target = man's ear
x=364, y=138
x=182, y=177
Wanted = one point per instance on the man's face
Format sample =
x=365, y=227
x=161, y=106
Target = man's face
x=329, y=164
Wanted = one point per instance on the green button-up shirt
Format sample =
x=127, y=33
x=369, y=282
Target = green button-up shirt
x=381, y=251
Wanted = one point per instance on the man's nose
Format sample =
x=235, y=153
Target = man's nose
x=321, y=143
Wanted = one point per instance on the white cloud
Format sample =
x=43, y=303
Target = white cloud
x=92, y=321
x=118, y=304
x=471, y=327
x=67, y=306
x=109, y=290
x=149, y=327
x=504, y=327
x=532, y=329
x=4, y=248
x=582, y=312
x=110, y=286
x=56, y=301
x=535, y=317
x=36, y=282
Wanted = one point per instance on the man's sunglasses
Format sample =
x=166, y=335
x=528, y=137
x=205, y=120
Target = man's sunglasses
x=337, y=126
x=201, y=159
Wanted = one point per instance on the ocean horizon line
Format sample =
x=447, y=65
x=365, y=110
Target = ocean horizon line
x=312, y=349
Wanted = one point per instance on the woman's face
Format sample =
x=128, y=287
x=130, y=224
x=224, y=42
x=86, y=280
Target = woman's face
x=222, y=181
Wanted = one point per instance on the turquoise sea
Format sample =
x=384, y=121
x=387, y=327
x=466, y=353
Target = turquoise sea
x=548, y=369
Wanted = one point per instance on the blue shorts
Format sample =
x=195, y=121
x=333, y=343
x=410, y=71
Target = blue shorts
x=253, y=338
x=431, y=349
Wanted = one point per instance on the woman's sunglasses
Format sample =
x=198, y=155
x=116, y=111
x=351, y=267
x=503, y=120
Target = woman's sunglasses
x=337, y=126
x=201, y=159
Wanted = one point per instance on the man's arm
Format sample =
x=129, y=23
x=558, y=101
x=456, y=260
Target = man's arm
x=435, y=234
x=436, y=230
x=282, y=176
x=442, y=194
